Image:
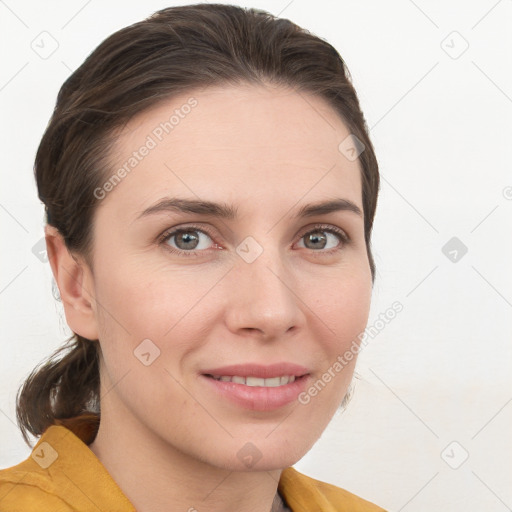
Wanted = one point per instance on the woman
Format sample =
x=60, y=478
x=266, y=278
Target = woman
x=210, y=190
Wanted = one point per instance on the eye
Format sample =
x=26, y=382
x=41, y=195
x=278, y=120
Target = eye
x=191, y=241
x=324, y=239
x=188, y=241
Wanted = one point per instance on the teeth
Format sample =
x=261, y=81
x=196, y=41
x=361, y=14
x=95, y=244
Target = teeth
x=285, y=380
x=272, y=382
x=253, y=381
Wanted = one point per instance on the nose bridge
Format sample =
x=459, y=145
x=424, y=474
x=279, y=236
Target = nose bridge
x=262, y=295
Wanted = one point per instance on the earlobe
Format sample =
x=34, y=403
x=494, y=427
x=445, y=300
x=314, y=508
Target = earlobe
x=74, y=281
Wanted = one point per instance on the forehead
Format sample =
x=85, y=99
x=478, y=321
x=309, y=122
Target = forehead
x=232, y=143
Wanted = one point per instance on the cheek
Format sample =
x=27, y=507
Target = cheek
x=343, y=304
x=144, y=301
x=341, y=315
x=158, y=320
x=342, y=311
x=135, y=311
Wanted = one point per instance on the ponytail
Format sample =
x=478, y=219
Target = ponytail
x=60, y=388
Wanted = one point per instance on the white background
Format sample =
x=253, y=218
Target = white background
x=441, y=125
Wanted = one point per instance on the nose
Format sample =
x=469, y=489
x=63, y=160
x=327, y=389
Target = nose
x=262, y=297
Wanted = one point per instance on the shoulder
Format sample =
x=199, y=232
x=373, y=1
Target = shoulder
x=24, y=489
x=61, y=474
x=302, y=492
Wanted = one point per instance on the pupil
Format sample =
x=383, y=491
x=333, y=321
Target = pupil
x=187, y=238
x=315, y=238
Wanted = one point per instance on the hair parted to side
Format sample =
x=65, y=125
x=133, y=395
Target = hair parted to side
x=175, y=50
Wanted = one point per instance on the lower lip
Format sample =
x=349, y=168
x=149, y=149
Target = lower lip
x=258, y=398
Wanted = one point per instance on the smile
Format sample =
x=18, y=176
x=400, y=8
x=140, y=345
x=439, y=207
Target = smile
x=272, y=382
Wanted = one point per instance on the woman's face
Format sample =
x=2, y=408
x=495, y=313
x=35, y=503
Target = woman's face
x=262, y=287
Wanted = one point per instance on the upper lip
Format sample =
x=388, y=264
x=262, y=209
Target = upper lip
x=258, y=370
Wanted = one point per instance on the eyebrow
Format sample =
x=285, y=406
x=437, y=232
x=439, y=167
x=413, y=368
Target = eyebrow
x=228, y=212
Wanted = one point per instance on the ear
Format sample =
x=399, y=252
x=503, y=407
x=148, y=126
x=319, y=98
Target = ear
x=75, y=282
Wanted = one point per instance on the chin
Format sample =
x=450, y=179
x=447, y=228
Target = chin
x=265, y=454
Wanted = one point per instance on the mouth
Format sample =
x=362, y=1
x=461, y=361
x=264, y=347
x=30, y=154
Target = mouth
x=252, y=371
x=258, y=387
x=272, y=382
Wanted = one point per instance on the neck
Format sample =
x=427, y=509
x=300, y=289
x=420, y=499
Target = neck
x=156, y=476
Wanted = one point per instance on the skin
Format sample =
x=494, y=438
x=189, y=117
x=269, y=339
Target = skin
x=167, y=440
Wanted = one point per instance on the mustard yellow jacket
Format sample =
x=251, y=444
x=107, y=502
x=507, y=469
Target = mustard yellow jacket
x=63, y=474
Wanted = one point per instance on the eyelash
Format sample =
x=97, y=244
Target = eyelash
x=162, y=239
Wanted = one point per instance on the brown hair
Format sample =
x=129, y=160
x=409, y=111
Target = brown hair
x=174, y=50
